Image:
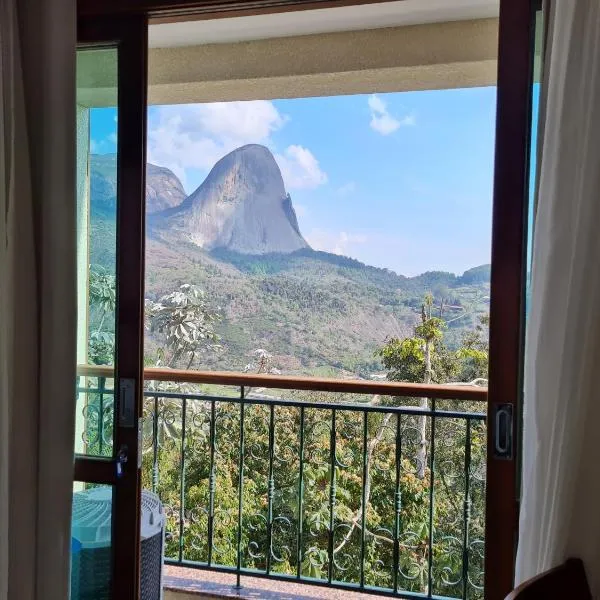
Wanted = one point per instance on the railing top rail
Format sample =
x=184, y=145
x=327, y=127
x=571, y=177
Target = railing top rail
x=316, y=384
x=283, y=403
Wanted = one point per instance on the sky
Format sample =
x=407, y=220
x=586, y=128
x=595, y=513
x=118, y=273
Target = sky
x=401, y=180
x=535, y=113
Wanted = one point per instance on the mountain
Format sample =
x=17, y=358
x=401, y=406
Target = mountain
x=163, y=188
x=103, y=183
x=242, y=206
x=318, y=313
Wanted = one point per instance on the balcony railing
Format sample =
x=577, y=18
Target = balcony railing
x=365, y=486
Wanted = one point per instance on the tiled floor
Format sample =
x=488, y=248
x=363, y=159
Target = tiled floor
x=208, y=584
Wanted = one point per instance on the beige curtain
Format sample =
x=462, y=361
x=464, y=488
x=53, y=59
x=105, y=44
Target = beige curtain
x=37, y=295
x=560, y=508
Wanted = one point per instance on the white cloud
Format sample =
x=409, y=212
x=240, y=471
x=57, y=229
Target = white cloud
x=337, y=242
x=196, y=136
x=345, y=240
x=245, y=121
x=381, y=119
x=376, y=104
x=346, y=189
x=384, y=124
x=300, y=169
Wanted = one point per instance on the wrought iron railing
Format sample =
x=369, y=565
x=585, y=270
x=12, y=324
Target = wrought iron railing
x=352, y=484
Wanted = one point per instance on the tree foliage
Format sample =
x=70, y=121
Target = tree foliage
x=102, y=299
x=406, y=359
x=473, y=352
x=187, y=322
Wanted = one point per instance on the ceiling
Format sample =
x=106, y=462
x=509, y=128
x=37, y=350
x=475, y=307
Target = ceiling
x=349, y=18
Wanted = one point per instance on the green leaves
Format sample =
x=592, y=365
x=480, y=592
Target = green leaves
x=103, y=300
x=101, y=348
x=187, y=320
x=102, y=290
x=431, y=329
x=405, y=359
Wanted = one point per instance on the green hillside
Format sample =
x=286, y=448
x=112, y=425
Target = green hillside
x=315, y=312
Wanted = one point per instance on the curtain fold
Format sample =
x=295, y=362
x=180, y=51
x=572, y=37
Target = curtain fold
x=560, y=507
x=37, y=295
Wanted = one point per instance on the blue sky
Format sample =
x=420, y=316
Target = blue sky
x=532, y=168
x=400, y=180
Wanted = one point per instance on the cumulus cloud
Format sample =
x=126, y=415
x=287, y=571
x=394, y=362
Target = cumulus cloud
x=300, y=169
x=337, y=242
x=345, y=240
x=382, y=121
x=254, y=120
x=196, y=136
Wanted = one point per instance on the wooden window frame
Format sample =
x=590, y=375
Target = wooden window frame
x=129, y=34
x=516, y=44
x=509, y=228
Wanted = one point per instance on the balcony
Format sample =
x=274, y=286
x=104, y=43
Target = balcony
x=352, y=485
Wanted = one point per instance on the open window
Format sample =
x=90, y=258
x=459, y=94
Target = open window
x=324, y=241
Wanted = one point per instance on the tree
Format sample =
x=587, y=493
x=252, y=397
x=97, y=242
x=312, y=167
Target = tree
x=422, y=358
x=187, y=321
x=473, y=353
x=263, y=364
x=102, y=299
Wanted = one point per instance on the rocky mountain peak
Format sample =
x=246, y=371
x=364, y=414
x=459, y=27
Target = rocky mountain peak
x=242, y=206
x=163, y=188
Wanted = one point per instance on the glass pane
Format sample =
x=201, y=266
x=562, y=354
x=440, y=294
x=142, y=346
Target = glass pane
x=535, y=113
x=96, y=247
x=91, y=542
x=343, y=235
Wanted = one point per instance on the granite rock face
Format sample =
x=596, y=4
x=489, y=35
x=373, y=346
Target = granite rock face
x=241, y=206
x=163, y=189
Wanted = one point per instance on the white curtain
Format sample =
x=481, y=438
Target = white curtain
x=560, y=510
x=37, y=295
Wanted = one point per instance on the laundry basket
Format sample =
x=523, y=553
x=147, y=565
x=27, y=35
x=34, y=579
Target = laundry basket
x=91, y=530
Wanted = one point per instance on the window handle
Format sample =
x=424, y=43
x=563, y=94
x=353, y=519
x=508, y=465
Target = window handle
x=503, y=431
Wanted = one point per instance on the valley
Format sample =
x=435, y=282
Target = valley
x=237, y=238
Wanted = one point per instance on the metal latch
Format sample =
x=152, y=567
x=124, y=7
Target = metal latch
x=503, y=431
x=121, y=460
